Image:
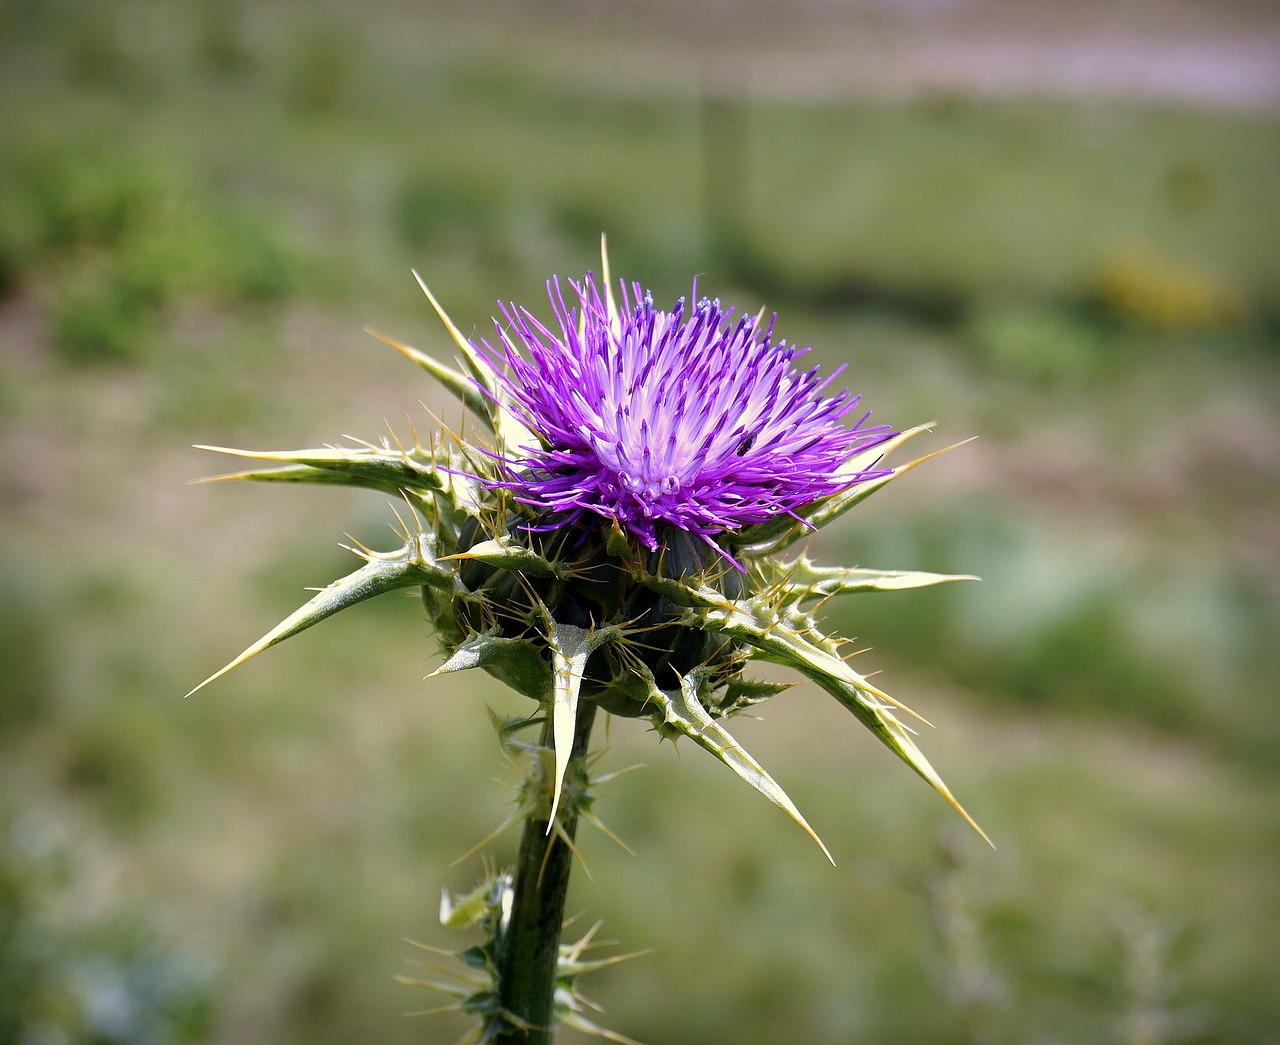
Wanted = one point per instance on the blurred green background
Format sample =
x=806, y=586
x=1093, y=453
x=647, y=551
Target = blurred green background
x=1051, y=226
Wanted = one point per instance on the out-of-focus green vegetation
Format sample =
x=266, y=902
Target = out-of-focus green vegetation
x=201, y=205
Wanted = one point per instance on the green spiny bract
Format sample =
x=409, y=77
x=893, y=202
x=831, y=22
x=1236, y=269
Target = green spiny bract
x=475, y=989
x=658, y=624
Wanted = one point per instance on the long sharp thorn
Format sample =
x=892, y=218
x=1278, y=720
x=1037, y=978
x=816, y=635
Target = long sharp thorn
x=464, y=346
x=607, y=278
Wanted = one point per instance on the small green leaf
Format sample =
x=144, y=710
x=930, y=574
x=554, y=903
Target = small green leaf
x=294, y=473
x=832, y=508
x=457, y=383
x=617, y=544
x=758, y=624
x=742, y=693
x=381, y=468
x=463, y=912
x=480, y=370
x=682, y=711
x=510, y=431
x=412, y=566
x=436, y=482
x=768, y=539
x=606, y=277
x=570, y=648
x=514, y=662
x=804, y=580
x=507, y=554
x=781, y=644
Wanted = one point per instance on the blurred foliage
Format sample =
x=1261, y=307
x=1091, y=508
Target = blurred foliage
x=109, y=982
x=1137, y=283
x=320, y=72
x=222, y=45
x=113, y=240
x=1038, y=344
x=26, y=637
x=216, y=198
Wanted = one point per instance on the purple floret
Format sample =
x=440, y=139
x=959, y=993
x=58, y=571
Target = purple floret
x=687, y=419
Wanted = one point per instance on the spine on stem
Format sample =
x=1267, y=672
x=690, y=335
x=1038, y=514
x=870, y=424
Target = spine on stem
x=528, y=952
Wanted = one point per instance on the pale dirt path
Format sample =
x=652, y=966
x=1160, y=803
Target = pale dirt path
x=1214, y=53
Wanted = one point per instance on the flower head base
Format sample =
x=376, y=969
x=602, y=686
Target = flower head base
x=685, y=420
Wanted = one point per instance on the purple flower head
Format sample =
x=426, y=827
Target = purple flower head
x=688, y=420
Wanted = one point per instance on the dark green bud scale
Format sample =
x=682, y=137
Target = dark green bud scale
x=596, y=583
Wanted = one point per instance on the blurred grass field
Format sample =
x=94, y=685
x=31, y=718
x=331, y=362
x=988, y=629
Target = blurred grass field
x=202, y=205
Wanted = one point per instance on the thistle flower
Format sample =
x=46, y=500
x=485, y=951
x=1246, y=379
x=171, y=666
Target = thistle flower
x=619, y=541
x=680, y=420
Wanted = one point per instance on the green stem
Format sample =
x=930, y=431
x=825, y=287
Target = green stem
x=530, y=949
